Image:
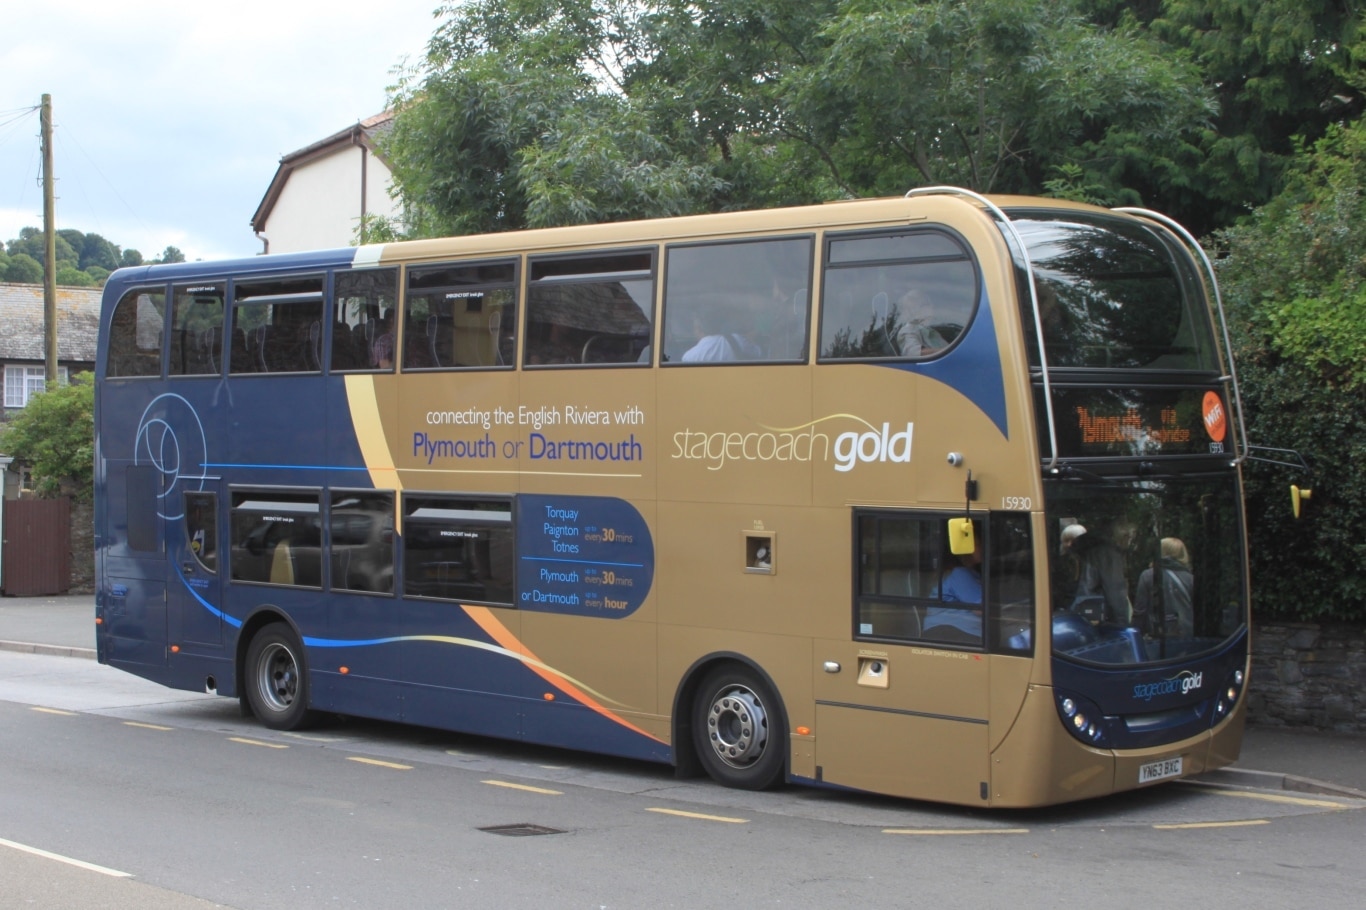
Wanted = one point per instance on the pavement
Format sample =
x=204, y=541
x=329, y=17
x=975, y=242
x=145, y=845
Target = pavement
x=1273, y=757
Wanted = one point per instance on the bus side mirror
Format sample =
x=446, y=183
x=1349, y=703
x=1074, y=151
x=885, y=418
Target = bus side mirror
x=1297, y=496
x=961, y=542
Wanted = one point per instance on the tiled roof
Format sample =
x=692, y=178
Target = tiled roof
x=21, y=323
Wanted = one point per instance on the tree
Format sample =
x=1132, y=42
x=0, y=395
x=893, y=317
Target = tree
x=539, y=112
x=1295, y=279
x=55, y=436
x=24, y=269
x=170, y=254
x=1282, y=71
x=99, y=253
x=518, y=117
x=70, y=276
x=30, y=242
x=994, y=95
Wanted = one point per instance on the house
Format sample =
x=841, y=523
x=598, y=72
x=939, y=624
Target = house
x=22, y=348
x=321, y=192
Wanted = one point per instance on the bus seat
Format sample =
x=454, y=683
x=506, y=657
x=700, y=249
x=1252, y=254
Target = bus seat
x=896, y=583
x=880, y=307
x=308, y=568
x=258, y=349
x=282, y=564
x=341, y=568
x=207, y=353
x=433, y=323
x=315, y=345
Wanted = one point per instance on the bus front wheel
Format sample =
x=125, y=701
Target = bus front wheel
x=277, y=680
x=738, y=730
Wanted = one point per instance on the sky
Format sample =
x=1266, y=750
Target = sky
x=170, y=117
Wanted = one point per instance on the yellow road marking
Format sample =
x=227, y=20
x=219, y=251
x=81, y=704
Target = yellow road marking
x=82, y=864
x=510, y=786
x=698, y=815
x=1285, y=800
x=133, y=723
x=257, y=742
x=945, y=832
x=1189, y=825
x=55, y=711
x=381, y=764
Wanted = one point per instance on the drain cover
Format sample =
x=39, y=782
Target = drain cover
x=522, y=830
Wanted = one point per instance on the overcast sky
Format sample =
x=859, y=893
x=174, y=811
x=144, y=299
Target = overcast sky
x=171, y=116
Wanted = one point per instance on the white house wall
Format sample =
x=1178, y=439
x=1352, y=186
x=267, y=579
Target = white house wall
x=320, y=205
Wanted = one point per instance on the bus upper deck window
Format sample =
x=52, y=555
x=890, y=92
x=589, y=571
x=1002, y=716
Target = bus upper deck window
x=137, y=332
x=460, y=315
x=590, y=309
x=738, y=301
x=907, y=295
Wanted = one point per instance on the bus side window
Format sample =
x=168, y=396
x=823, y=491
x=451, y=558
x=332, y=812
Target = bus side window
x=362, y=317
x=1010, y=574
x=276, y=538
x=458, y=548
x=590, y=309
x=738, y=301
x=136, y=334
x=277, y=325
x=910, y=587
x=361, y=541
x=459, y=315
x=907, y=295
x=201, y=529
x=197, y=331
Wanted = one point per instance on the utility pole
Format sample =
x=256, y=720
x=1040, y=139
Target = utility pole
x=50, y=249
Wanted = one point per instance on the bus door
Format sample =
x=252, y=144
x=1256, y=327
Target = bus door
x=134, y=595
x=195, y=594
x=902, y=705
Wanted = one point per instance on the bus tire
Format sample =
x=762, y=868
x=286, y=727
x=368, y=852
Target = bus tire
x=737, y=729
x=277, y=678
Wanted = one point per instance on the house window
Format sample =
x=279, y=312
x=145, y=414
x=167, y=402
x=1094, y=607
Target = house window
x=22, y=383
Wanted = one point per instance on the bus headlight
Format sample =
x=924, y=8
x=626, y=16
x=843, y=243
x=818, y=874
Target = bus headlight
x=1228, y=697
x=1082, y=719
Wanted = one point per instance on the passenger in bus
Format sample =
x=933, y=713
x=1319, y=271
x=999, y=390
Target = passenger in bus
x=1178, y=589
x=1102, y=591
x=382, y=348
x=963, y=584
x=914, y=335
x=718, y=340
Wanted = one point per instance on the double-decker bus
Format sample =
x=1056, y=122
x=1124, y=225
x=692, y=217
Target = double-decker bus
x=935, y=496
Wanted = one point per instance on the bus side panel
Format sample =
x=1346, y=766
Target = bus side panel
x=133, y=587
x=935, y=758
x=452, y=680
x=598, y=687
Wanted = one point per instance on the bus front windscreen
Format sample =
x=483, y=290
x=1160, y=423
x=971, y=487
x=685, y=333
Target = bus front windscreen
x=1144, y=571
x=1115, y=295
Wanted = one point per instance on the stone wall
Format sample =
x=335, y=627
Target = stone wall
x=82, y=547
x=1309, y=675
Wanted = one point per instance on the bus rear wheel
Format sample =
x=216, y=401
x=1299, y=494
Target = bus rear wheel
x=738, y=730
x=276, y=679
